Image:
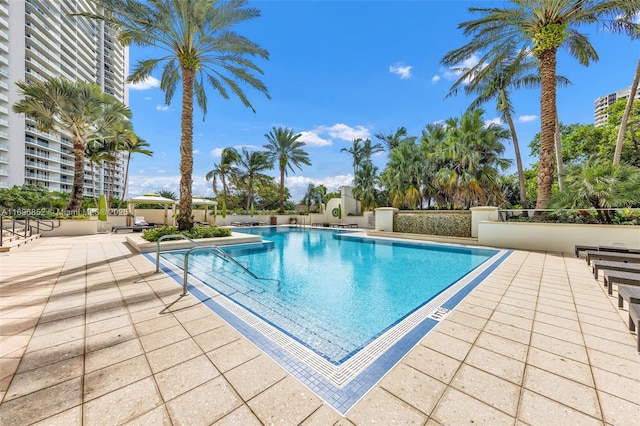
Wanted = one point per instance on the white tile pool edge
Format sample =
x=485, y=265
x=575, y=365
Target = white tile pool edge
x=340, y=386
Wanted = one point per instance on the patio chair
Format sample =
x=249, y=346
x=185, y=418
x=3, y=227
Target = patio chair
x=620, y=277
x=613, y=266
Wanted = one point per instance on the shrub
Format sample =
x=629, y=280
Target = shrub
x=196, y=232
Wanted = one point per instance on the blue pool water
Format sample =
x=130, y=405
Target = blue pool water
x=330, y=291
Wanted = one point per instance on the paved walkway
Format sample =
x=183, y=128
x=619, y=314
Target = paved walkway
x=89, y=334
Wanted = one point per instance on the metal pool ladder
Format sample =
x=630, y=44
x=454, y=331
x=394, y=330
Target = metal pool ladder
x=213, y=249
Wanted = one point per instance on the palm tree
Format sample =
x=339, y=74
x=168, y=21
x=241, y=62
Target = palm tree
x=285, y=150
x=202, y=48
x=365, y=189
x=228, y=158
x=133, y=145
x=361, y=151
x=599, y=184
x=543, y=27
x=96, y=153
x=393, y=140
x=403, y=175
x=625, y=115
x=77, y=108
x=249, y=174
x=314, y=196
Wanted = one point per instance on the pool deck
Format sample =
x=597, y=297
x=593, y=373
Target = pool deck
x=90, y=334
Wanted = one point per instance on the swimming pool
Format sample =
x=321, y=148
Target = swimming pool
x=339, y=309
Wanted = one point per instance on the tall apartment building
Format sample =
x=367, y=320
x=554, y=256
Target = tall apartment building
x=603, y=102
x=40, y=40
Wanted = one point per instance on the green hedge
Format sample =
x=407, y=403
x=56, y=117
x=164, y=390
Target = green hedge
x=194, y=233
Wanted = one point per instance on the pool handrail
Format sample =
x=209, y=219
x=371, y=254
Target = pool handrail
x=214, y=249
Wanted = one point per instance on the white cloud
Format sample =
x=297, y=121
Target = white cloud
x=311, y=138
x=347, y=133
x=298, y=184
x=404, y=71
x=162, y=107
x=435, y=79
x=196, y=151
x=454, y=74
x=147, y=98
x=498, y=121
x=216, y=152
x=147, y=84
x=141, y=184
x=527, y=118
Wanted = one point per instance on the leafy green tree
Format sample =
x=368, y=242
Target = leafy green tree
x=285, y=150
x=249, y=176
x=601, y=185
x=133, y=145
x=543, y=27
x=403, y=175
x=168, y=194
x=201, y=48
x=393, y=140
x=313, y=196
x=227, y=165
x=96, y=153
x=365, y=189
x=77, y=108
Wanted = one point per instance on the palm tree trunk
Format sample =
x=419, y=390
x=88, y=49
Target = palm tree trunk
x=547, y=133
x=224, y=188
x=282, y=190
x=186, y=151
x=75, y=199
x=93, y=183
x=625, y=116
x=126, y=179
x=558, y=148
x=516, y=150
x=249, y=195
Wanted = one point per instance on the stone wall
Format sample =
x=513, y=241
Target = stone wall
x=455, y=223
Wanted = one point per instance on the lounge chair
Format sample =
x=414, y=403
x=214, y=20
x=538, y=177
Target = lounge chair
x=634, y=321
x=607, y=255
x=620, y=277
x=614, y=266
x=629, y=293
x=139, y=225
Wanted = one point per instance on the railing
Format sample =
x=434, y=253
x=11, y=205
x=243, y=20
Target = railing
x=211, y=249
x=28, y=225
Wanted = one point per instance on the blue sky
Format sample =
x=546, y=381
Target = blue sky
x=339, y=70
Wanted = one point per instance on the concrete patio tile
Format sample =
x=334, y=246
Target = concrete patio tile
x=42, y=404
x=575, y=395
x=165, y=337
x=131, y=402
x=457, y=330
x=565, y=367
x=106, y=314
x=473, y=310
x=185, y=376
x=515, y=311
x=379, y=406
x=56, y=338
x=570, y=314
x=483, y=303
x=618, y=411
x=569, y=324
x=559, y=347
x=584, y=312
x=105, y=325
x=240, y=416
x=112, y=355
x=14, y=346
x=621, y=366
x=8, y=367
x=510, y=348
x=110, y=338
x=536, y=409
x=216, y=338
x=195, y=311
x=551, y=330
x=156, y=417
x=286, y=402
x=168, y=356
x=519, y=303
x=488, y=388
x=499, y=365
x=13, y=326
x=508, y=331
x=203, y=324
x=413, y=387
x=66, y=418
x=513, y=320
x=44, y=377
x=446, y=344
x=324, y=415
x=115, y=376
x=233, y=354
x=457, y=408
x=432, y=363
x=254, y=376
x=617, y=385
x=627, y=351
x=37, y=359
x=159, y=323
x=619, y=336
x=472, y=319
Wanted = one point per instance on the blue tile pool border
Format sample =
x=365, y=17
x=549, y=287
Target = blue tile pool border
x=340, y=398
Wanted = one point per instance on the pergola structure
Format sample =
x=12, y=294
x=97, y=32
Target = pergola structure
x=150, y=198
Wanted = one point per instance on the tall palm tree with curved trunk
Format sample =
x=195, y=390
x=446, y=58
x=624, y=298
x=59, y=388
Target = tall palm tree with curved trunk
x=133, y=145
x=249, y=173
x=361, y=151
x=285, y=150
x=229, y=157
x=202, y=49
x=77, y=108
x=543, y=27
